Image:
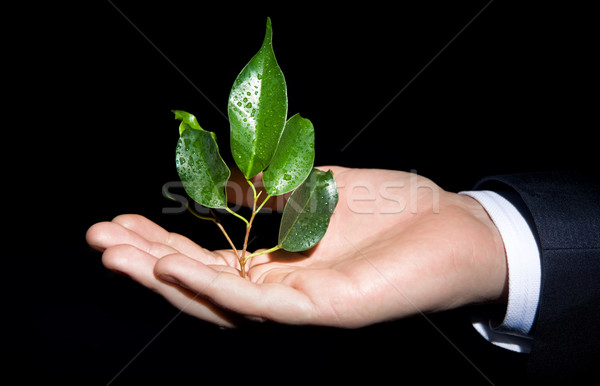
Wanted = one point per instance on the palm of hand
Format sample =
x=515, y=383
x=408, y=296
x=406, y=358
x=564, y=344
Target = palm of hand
x=397, y=245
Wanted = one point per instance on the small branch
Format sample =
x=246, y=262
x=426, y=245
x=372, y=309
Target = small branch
x=242, y=257
x=215, y=219
x=263, y=203
x=270, y=250
x=236, y=215
x=198, y=215
x=253, y=188
x=228, y=239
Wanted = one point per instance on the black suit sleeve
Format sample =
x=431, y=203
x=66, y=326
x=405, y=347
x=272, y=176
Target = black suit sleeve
x=563, y=209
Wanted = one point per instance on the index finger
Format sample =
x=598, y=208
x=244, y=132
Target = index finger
x=273, y=301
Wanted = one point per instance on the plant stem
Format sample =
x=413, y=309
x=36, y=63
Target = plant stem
x=198, y=215
x=236, y=215
x=264, y=202
x=262, y=253
x=242, y=257
x=253, y=188
x=215, y=219
x=218, y=223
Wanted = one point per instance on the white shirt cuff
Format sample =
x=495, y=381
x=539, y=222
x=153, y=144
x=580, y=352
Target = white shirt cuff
x=524, y=274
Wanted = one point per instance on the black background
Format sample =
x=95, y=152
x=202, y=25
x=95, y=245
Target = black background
x=89, y=135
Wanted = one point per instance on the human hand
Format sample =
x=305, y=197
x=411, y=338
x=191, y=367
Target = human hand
x=397, y=245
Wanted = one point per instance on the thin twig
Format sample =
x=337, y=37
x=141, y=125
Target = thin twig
x=215, y=220
x=275, y=248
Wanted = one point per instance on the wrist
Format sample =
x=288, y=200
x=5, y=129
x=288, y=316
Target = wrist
x=494, y=268
x=522, y=260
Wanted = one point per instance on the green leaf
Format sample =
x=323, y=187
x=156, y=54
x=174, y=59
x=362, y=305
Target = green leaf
x=257, y=110
x=187, y=118
x=308, y=211
x=293, y=159
x=202, y=170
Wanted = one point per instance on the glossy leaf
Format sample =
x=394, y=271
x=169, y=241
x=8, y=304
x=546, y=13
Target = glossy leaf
x=200, y=167
x=293, y=159
x=308, y=211
x=257, y=110
x=188, y=118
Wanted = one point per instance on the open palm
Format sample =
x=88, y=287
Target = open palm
x=397, y=245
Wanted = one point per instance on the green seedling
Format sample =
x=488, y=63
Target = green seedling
x=263, y=140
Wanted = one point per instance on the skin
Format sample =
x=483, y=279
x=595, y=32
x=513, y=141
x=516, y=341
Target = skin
x=397, y=245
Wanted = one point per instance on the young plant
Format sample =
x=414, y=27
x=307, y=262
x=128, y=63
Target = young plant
x=262, y=140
